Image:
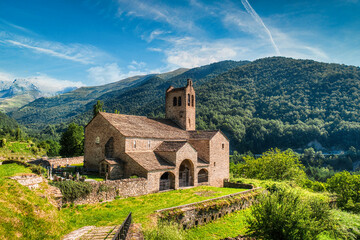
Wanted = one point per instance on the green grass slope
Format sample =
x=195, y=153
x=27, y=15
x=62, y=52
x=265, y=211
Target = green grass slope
x=23, y=213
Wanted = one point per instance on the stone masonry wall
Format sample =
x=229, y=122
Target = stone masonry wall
x=55, y=162
x=200, y=213
x=108, y=190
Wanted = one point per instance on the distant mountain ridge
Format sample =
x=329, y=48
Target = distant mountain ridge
x=17, y=93
x=78, y=103
x=271, y=102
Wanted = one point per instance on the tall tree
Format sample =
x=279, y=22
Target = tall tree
x=97, y=107
x=72, y=141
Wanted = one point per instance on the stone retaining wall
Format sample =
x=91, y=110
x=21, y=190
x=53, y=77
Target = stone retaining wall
x=109, y=190
x=55, y=162
x=200, y=213
x=237, y=185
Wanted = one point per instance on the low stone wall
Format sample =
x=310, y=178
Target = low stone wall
x=237, y=185
x=200, y=213
x=109, y=190
x=29, y=180
x=55, y=162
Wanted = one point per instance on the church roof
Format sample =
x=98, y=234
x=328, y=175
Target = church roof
x=150, y=161
x=144, y=127
x=202, y=134
x=112, y=161
x=170, y=146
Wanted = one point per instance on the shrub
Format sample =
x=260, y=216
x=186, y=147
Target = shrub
x=72, y=190
x=2, y=142
x=315, y=185
x=347, y=188
x=284, y=215
x=273, y=164
x=165, y=231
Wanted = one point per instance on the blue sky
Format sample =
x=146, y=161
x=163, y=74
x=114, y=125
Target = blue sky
x=92, y=42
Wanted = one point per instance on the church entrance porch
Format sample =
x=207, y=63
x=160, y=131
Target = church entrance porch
x=167, y=181
x=186, y=174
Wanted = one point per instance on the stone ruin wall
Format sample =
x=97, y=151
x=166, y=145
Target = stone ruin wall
x=200, y=213
x=109, y=190
x=55, y=162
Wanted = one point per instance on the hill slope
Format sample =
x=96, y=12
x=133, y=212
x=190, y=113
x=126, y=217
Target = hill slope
x=282, y=102
x=271, y=102
x=142, y=91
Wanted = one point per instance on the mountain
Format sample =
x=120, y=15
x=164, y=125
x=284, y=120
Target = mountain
x=271, y=102
x=64, y=107
x=283, y=102
x=17, y=93
x=20, y=92
x=7, y=125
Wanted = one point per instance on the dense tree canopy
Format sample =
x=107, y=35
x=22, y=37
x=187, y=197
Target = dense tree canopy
x=72, y=141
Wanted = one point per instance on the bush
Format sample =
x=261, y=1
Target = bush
x=347, y=188
x=315, y=185
x=284, y=215
x=72, y=190
x=2, y=142
x=165, y=231
x=273, y=164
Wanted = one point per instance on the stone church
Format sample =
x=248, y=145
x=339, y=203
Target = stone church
x=170, y=153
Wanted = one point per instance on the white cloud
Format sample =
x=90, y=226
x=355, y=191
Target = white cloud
x=190, y=53
x=177, y=18
x=257, y=18
x=52, y=85
x=74, y=52
x=109, y=73
x=154, y=34
x=85, y=54
x=45, y=83
x=4, y=76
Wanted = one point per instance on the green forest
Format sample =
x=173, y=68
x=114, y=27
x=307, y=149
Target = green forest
x=271, y=102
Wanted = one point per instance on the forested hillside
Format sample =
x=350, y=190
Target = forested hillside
x=7, y=125
x=282, y=102
x=130, y=96
x=62, y=108
x=271, y=102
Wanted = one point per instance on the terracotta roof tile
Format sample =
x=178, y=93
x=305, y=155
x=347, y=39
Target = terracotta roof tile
x=112, y=161
x=140, y=126
x=202, y=134
x=150, y=161
x=170, y=146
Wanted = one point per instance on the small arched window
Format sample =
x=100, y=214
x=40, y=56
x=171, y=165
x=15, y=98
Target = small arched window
x=192, y=100
x=179, y=101
x=174, y=101
x=188, y=99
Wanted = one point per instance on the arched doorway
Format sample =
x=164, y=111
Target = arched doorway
x=109, y=148
x=186, y=174
x=203, y=176
x=167, y=181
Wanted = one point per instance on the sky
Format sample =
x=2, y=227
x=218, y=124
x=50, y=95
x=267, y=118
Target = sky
x=62, y=43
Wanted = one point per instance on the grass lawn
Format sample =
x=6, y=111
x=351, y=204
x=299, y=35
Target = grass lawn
x=231, y=225
x=142, y=207
x=20, y=150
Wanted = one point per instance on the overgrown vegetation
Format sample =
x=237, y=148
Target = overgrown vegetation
x=347, y=188
x=165, y=231
x=72, y=190
x=24, y=214
x=285, y=215
x=273, y=164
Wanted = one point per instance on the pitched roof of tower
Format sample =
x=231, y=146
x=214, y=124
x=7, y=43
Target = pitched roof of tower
x=144, y=127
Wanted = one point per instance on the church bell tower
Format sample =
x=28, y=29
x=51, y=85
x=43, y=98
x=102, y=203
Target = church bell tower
x=180, y=105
